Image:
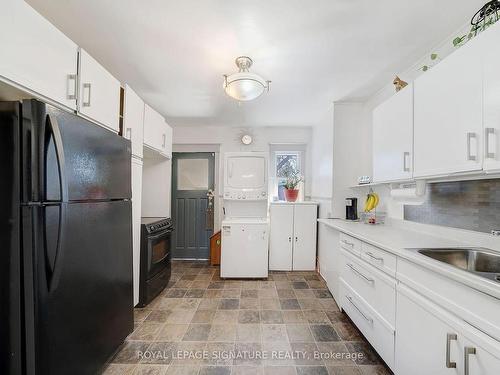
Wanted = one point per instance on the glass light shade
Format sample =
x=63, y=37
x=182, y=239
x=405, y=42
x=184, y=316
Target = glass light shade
x=244, y=86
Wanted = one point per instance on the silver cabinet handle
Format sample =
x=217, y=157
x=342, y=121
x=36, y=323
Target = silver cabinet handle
x=296, y=239
x=88, y=87
x=128, y=133
x=406, y=168
x=369, y=320
x=449, y=338
x=370, y=254
x=470, y=136
x=71, y=87
x=289, y=239
x=360, y=274
x=489, y=132
x=347, y=243
x=468, y=351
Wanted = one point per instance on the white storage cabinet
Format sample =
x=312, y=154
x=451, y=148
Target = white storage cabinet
x=99, y=95
x=133, y=121
x=157, y=133
x=36, y=56
x=292, y=243
x=136, y=222
x=393, y=138
x=429, y=340
x=448, y=122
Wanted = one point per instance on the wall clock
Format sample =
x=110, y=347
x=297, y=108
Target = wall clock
x=246, y=139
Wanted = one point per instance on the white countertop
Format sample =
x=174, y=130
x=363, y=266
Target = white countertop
x=398, y=241
x=277, y=203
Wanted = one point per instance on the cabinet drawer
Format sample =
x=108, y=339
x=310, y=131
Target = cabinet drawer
x=377, y=332
x=378, y=289
x=379, y=258
x=476, y=308
x=350, y=243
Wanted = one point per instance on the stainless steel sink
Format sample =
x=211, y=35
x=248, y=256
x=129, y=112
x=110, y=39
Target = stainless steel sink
x=481, y=262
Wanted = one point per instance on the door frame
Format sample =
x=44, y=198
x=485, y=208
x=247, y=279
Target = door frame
x=212, y=172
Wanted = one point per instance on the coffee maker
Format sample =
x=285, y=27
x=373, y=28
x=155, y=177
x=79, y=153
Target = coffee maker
x=351, y=209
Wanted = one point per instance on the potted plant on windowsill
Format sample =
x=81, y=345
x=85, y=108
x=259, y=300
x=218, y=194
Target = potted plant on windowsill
x=292, y=181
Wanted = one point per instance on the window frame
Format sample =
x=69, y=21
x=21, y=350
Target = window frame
x=281, y=149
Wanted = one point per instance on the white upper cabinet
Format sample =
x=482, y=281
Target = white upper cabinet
x=36, y=55
x=448, y=110
x=491, y=63
x=393, y=138
x=157, y=133
x=167, y=148
x=99, y=96
x=133, y=120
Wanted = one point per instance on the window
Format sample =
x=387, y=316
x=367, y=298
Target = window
x=286, y=160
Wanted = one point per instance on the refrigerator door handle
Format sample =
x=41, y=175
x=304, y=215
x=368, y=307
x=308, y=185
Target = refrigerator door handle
x=61, y=164
x=53, y=281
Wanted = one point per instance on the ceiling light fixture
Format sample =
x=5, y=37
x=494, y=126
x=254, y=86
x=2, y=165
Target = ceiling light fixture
x=245, y=86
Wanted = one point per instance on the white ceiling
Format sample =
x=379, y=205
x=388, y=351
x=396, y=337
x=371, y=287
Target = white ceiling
x=174, y=52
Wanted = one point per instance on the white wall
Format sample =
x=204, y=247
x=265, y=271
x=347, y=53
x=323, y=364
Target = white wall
x=352, y=148
x=321, y=171
x=227, y=139
x=156, y=187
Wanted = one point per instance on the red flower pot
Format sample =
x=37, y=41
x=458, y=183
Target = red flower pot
x=291, y=195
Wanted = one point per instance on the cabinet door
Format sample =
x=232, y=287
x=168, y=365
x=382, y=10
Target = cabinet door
x=328, y=257
x=167, y=140
x=136, y=223
x=480, y=360
x=393, y=138
x=448, y=114
x=422, y=339
x=304, y=241
x=36, y=55
x=99, y=98
x=133, y=120
x=153, y=129
x=491, y=100
x=280, y=241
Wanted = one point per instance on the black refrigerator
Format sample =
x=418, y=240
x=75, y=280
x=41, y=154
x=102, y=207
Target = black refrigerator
x=66, y=301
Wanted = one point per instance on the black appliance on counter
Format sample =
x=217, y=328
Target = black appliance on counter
x=155, y=268
x=351, y=209
x=66, y=234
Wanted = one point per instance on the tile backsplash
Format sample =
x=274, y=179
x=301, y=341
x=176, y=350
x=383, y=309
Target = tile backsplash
x=472, y=205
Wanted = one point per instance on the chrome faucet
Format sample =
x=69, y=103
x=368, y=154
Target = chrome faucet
x=495, y=232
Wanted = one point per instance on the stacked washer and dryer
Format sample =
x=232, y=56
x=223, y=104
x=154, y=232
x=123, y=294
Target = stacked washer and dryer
x=245, y=227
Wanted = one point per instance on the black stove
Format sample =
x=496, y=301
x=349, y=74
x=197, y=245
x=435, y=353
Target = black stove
x=155, y=269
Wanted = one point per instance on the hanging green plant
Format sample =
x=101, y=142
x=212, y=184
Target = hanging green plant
x=434, y=58
x=488, y=15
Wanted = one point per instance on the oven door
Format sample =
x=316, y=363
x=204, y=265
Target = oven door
x=158, y=252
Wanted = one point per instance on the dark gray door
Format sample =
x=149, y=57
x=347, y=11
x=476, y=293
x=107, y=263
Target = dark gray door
x=192, y=206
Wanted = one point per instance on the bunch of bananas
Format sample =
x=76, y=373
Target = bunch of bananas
x=371, y=202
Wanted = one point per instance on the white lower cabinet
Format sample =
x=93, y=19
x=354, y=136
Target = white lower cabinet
x=430, y=340
x=422, y=340
x=405, y=311
x=136, y=222
x=377, y=331
x=292, y=244
x=329, y=258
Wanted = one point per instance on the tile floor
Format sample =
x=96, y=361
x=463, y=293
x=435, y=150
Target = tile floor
x=202, y=325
